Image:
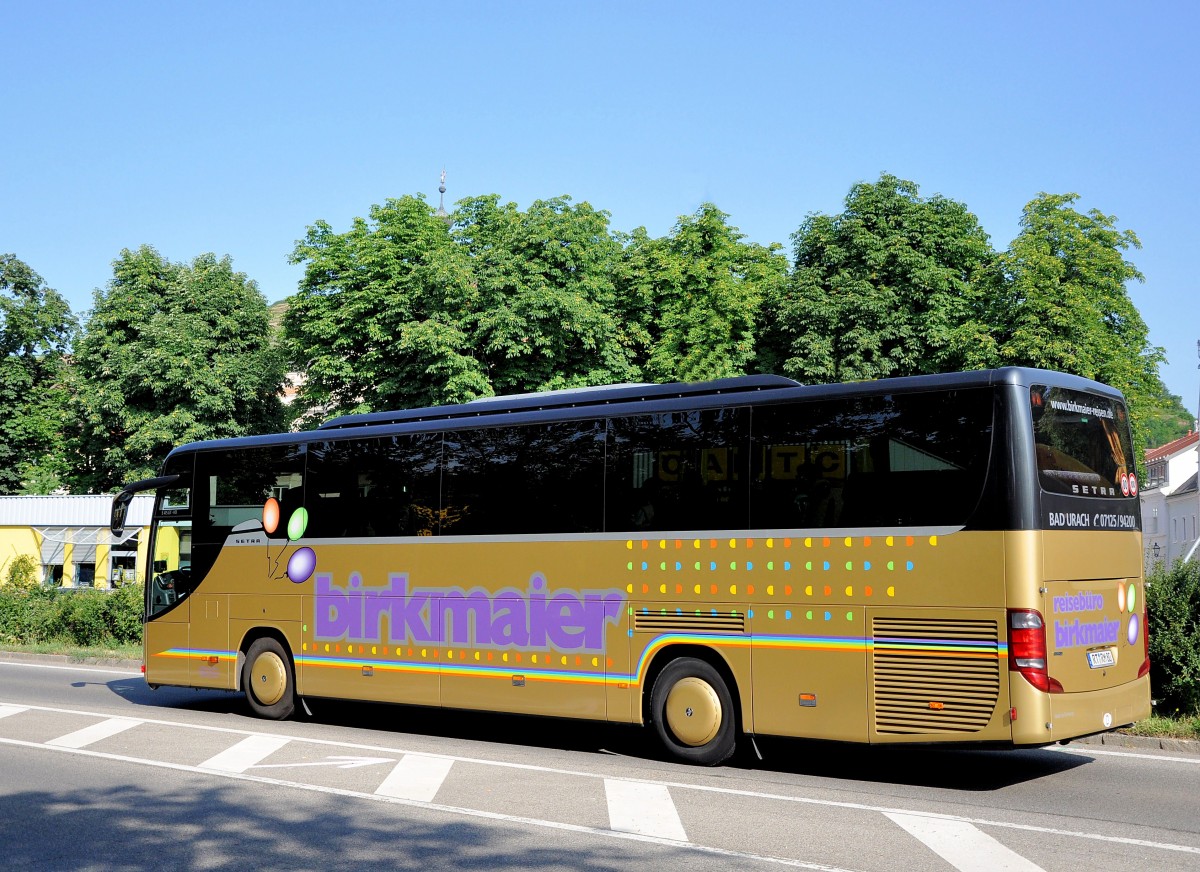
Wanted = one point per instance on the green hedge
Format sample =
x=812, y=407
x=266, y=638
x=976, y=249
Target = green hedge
x=1173, y=602
x=88, y=618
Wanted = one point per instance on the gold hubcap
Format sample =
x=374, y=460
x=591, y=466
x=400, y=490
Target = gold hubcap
x=268, y=677
x=694, y=711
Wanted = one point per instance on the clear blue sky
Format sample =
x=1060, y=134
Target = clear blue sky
x=231, y=127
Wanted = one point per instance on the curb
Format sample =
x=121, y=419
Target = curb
x=1142, y=743
x=67, y=660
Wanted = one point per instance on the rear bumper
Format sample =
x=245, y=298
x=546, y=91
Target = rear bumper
x=1053, y=717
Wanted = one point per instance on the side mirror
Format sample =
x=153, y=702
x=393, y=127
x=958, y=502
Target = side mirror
x=120, y=506
x=120, y=509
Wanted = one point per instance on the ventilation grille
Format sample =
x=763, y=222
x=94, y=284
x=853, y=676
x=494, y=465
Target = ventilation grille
x=934, y=676
x=689, y=622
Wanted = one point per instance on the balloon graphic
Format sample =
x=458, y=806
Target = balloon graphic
x=270, y=516
x=302, y=565
x=1132, y=635
x=297, y=524
x=1131, y=600
x=1121, y=597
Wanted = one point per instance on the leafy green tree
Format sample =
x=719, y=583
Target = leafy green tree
x=171, y=353
x=895, y=285
x=546, y=316
x=36, y=328
x=692, y=298
x=1066, y=304
x=403, y=310
x=376, y=322
x=1170, y=421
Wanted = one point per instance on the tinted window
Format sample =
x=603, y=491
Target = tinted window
x=543, y=478
x=881, y=461
x=1083, y=445
x=232, y=488
x=678, y=471
x=374, y=487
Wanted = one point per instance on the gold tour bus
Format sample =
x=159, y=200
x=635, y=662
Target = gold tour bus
x=943, y=558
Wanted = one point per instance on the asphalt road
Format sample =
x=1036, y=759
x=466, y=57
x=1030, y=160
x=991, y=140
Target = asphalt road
x=98, y=772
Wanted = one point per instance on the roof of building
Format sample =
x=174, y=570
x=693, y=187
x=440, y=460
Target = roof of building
x=1180, y=444
x=70, y=511
x=1188, y=487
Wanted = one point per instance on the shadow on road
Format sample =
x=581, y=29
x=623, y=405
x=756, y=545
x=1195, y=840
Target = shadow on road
x=224, y=827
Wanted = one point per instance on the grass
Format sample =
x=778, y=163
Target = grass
x=76, y=653
x=1160, y=727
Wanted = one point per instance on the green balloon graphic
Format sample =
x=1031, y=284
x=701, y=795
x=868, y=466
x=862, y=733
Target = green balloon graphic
x=1132, y=598
x=297, y=524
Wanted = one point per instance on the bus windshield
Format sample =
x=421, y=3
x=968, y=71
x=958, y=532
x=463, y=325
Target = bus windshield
x=1083, y=446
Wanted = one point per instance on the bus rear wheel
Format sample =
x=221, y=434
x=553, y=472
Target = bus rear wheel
x=268, y=680
x=692, y=711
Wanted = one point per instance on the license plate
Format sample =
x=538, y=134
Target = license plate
x=1101, y=659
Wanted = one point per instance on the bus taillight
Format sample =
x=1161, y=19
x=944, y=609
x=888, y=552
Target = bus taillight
x=1027, y=649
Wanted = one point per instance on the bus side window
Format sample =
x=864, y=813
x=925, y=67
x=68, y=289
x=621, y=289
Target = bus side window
x=678, y=471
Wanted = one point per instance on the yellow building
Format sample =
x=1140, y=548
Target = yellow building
x=68, y=537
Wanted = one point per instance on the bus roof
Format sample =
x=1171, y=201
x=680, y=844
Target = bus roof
x=628, y=399
x=571, y=398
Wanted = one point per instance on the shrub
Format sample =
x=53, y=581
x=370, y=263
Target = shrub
x=1173, y=604
x=85, y=618
x=125, y=608
x=21, y=574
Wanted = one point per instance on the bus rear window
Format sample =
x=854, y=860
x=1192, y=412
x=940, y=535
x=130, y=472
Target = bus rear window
x=1083, y=443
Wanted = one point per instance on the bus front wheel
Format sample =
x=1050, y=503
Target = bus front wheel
x=692, y=711
x=268, y=680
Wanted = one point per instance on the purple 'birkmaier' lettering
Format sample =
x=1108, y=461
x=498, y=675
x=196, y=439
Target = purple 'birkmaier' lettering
x=569, y=620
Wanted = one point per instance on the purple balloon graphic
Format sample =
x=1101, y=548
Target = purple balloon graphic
x=1133, y=629
x=301, y=565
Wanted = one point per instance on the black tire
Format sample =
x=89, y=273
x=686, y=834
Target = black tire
x=690, y=688
x=268, y=680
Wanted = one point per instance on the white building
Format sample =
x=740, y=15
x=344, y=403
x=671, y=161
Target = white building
x=1171, y=502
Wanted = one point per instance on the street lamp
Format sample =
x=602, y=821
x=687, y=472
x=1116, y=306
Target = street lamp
x=1155, y=550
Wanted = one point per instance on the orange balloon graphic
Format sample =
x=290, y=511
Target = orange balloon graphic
x=271, y=515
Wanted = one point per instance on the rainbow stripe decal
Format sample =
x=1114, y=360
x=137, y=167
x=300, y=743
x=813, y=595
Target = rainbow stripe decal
x=548, y=669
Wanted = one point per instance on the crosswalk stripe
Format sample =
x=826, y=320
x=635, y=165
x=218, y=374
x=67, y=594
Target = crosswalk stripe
x=416, y=777
x=6, y=710
x=94, y=733
x=245, y=753
x=962, y=845
x=645, y=809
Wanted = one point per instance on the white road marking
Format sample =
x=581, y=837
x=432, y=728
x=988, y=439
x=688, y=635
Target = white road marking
x=337, y=760
x=94, y=733
x=962, y=845
x=245, y=753
x=646, y=809
x=416, y=777
x=6, y=710
x=1084, y=751
x=465, y=812
x=702, y=788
